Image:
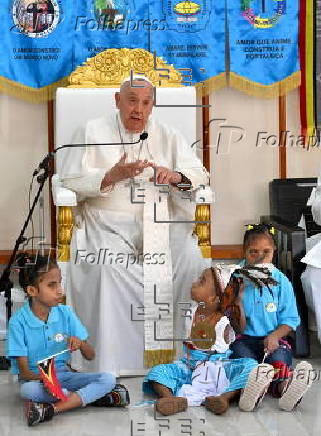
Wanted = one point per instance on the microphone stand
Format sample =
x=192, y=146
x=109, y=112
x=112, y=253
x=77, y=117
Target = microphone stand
x=6, y=283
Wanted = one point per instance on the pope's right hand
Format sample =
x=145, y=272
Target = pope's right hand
x=123, y=170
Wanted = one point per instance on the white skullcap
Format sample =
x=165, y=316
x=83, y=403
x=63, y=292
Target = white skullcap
x=134, y=77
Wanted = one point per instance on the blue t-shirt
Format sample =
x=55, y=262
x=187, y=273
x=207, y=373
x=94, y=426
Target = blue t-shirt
x=31, y=337
x=264, y=313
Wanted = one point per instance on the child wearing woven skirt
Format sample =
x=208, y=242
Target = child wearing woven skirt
x=271, y=314
x=205, y=375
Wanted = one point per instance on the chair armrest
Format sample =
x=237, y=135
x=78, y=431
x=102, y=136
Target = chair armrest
x=204, y=195
x=62, y=196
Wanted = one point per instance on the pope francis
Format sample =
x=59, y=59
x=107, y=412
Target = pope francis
x=133, y=252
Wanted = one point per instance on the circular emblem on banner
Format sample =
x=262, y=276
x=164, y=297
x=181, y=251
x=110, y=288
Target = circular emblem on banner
x=35, y=18
x=270, y=307
x=187, y=8
x=187, y=15
x=268, y=15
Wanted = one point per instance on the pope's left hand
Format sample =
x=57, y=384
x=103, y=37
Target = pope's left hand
x=271, y=343
x=165, y=176
x=74, y=343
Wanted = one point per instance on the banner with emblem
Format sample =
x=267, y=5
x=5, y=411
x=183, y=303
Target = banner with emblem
x=35, y=50
x=192, y=39
x=105, y=24
x=253, y=42
x=264, y=58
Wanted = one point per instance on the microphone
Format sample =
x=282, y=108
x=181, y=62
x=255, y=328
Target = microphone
x=44, y=163
x=143, y=136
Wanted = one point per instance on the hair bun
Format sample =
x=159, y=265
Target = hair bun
x=31, y=267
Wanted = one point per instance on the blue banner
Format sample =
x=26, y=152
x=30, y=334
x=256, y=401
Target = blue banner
x=35, y=40
x=264, y=45
x=104, y=24
x=43, y=41
x=192, y=39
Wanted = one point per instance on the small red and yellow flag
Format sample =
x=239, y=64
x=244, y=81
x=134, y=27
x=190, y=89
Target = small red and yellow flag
x=49, y=377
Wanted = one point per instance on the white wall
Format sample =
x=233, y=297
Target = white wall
x=23, y=144
x=241, y=172
x=301, y=162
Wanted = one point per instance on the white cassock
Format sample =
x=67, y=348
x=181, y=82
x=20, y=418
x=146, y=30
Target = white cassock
x=106, y=285
x=311, y=277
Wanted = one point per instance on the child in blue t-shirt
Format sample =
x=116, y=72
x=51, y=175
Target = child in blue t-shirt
x=43, y=327
x=271, y=314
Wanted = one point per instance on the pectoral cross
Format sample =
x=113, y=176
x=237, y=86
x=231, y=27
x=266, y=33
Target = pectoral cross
x=263, y=6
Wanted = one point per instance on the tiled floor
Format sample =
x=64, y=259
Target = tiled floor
x=139, y=418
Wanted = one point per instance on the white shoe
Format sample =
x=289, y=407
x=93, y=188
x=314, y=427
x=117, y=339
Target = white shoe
x=299, y=385
x=257, y=384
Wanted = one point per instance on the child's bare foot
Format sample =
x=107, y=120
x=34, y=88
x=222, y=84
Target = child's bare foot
x=217, y=405
x=170, y=405
x=161, y=390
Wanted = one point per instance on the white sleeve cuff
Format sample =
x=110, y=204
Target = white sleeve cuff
x=87, y=185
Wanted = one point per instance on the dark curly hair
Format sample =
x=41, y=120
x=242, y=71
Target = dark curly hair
x=255, y=231
x=32, y=267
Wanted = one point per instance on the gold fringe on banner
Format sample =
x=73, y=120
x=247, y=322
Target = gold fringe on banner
x=27, y=93
x=263, y=91
x=156, y=357
x=212, y=84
